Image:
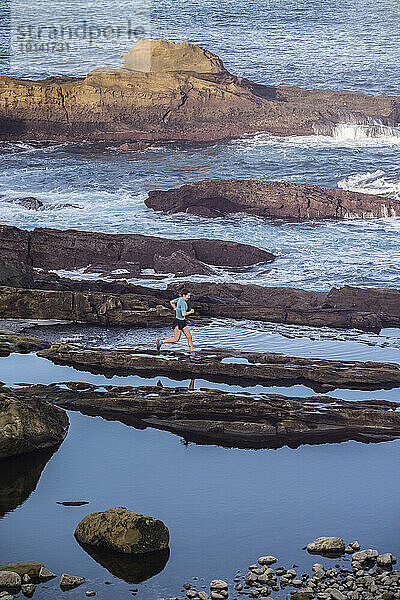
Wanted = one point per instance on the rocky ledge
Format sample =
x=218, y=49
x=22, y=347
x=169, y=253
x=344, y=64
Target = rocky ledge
x=274, y=199
x=55, y=249
x=229, y=419
x=29, y=424
x=175, y=91
x=230, y=366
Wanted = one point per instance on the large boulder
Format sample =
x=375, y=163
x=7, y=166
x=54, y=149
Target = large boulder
x=29, y=425
x=26, y=567
x=124, y=531
x=327, y=545
x=275, y=199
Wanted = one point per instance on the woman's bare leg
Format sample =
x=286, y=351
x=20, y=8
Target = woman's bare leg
x=188, y=335
x=176, y=338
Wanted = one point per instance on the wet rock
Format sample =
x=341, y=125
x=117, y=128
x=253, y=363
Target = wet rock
x=124, y=531
x=355, y=545
x=90, y=593
x=28, y=589
x=327, y=545
x=73, y=502
x=386, y=561
x=29, y=202
x=231, y=365
x=215, y=416
x=70, y=581
x=181, y=264
x=218, y=584
x=276, y=199
x=135, y=146
x=11, y=342
x=46, y=575
x=174, y=91
x=10, y=579
x=58, y=249
x=365, y=556
x=267, y=560
x=29, y=425
x=23, y=568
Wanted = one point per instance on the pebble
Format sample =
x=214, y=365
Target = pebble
x=267, y=560
x=45, y=574
x=90, y=593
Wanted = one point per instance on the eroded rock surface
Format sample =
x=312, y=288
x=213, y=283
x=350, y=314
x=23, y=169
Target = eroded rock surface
x=124, y=531
x=274, y=199
x=230, y=365
x=175, y=91
x=29, y=424
x=70, y=249
x=230, y=419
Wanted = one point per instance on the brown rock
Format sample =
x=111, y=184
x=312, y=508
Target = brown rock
x=175, y=92
x=27, y=567
x=214, y=416
x=231, y=365
x=275, y=199
x=124, y=531
x=27, y=426
x=15, y=274
x=55, y=249
x=181, y=264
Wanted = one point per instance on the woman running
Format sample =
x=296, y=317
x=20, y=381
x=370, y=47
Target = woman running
x=180, y=325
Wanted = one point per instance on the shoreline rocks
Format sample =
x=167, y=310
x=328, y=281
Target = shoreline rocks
x=175, y=91
x=272, y=199
x=230, y=366
x=54, y=249
x=29, y=424
x=124, y=531
x=230, y=419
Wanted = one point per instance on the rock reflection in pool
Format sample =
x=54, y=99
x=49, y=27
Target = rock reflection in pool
x=129, y=568
x=19, y=477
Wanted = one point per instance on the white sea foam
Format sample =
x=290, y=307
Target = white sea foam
x=375, y=182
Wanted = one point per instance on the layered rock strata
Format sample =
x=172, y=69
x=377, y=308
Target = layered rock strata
x=273, y=199
x=230, y=419
x=230, y=366
x=168, y=91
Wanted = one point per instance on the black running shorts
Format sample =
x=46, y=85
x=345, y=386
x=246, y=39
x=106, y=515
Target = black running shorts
x=180, y=324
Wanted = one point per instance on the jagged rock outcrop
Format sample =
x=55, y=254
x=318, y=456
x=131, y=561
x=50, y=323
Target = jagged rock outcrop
x=14, y=342
x=175, y=91
x=70, y=249
x=274, y=199
x=27, y=425
x=230, y=366
x=230, y=419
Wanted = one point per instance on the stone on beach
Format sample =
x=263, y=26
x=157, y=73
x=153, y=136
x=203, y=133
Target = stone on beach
x=10, y=579
x=267, y=560
x=45, y=574
x=124, y=531
x=29, y=567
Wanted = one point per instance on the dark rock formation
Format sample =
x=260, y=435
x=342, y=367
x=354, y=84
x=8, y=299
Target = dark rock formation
x=18, y=479
x=70, y=249
x=124, y=531
x=274, y=199
x=175, y=92
x=29, y=202
x=29, y=425
x=230, y=366
x=15, y=274
x=181, y=264
x=231, y=419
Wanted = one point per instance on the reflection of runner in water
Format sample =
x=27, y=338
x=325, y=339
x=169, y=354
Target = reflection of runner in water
x=180, y=325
